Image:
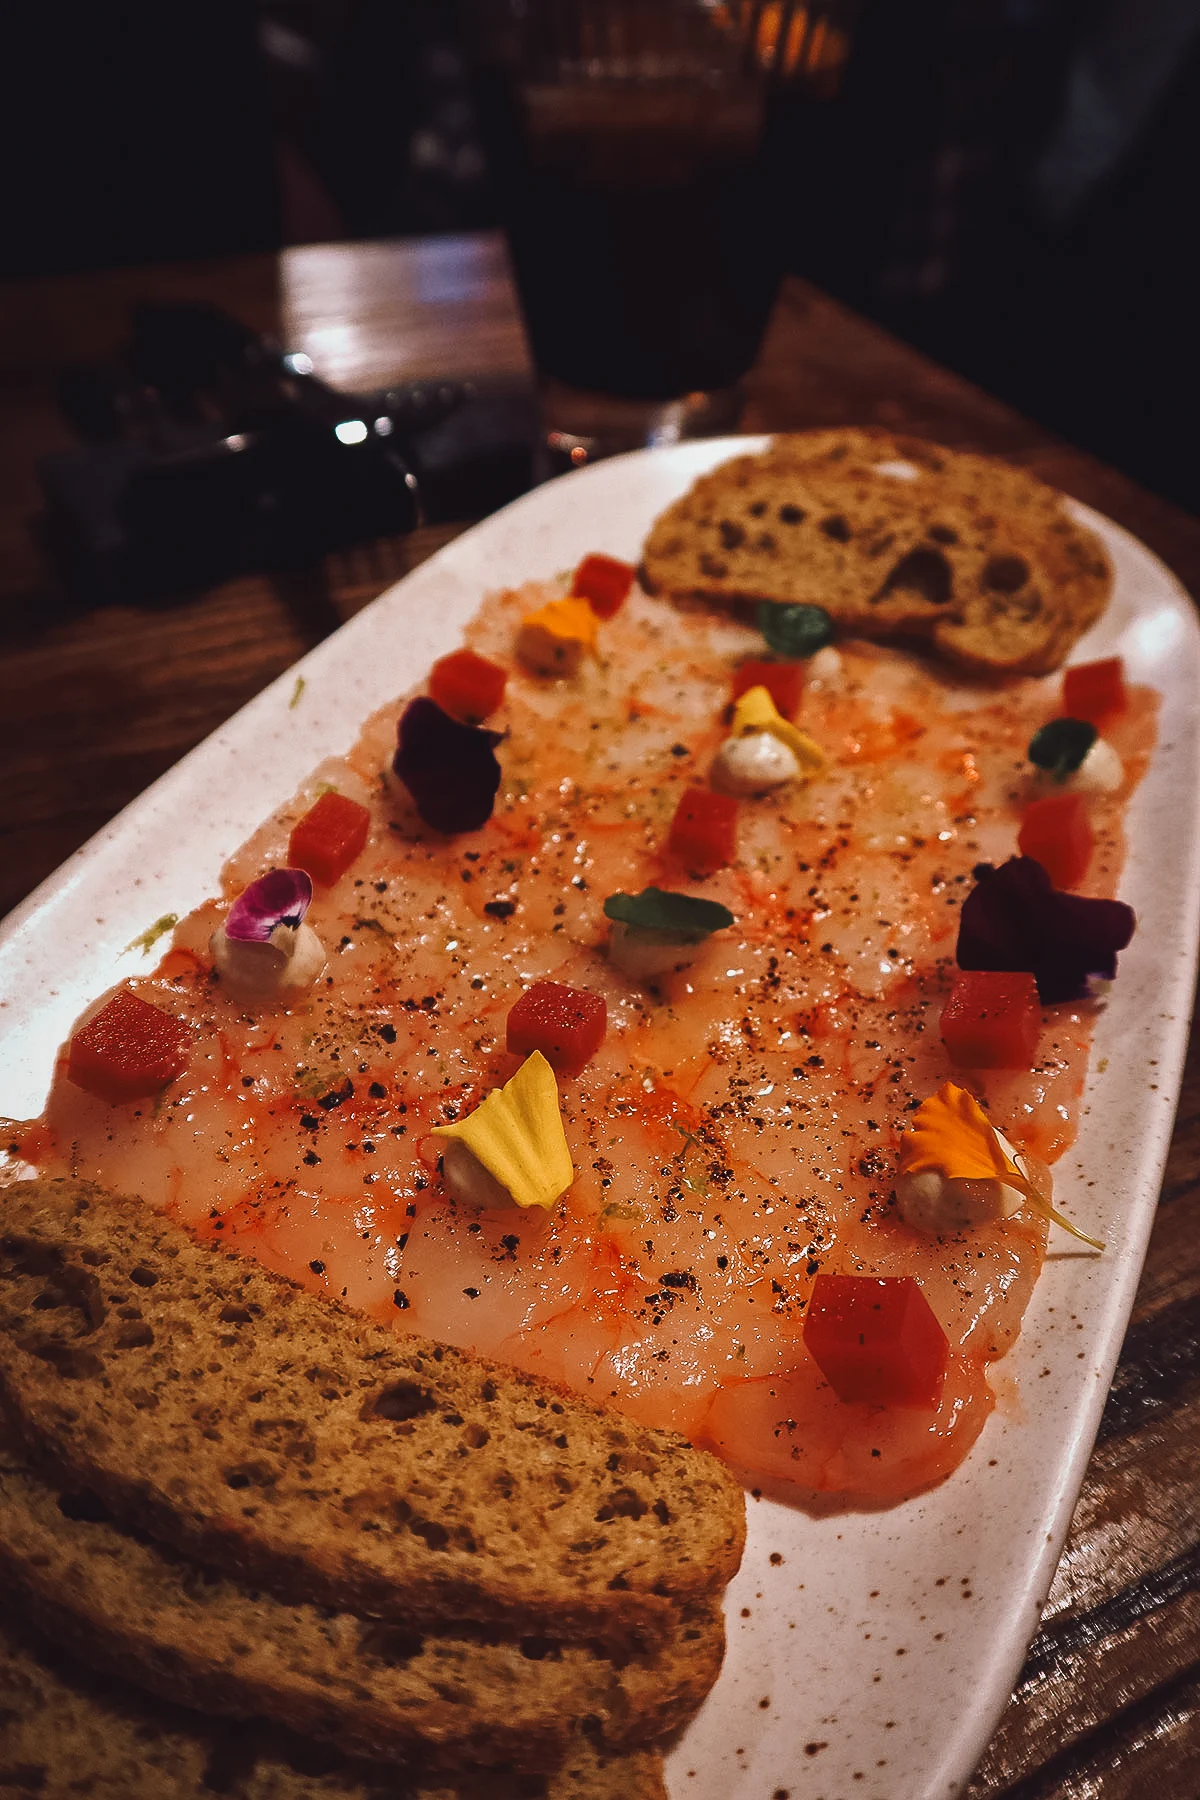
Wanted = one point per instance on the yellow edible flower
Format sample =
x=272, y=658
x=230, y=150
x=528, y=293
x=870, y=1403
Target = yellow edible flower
x=517, y=1135
x=756, y=711
x=951, y=1135
x=552, y=640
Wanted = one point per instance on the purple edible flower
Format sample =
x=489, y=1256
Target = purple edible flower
x=450, y=769
x=1014, y=919
x=279, y=898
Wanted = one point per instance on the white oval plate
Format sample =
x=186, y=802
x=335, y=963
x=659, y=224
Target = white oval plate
x=872, y=1661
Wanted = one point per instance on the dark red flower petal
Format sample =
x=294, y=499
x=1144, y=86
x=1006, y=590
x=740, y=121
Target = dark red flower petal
x=450, y=769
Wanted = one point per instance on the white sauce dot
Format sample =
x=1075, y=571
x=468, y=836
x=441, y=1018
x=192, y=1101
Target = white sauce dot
x=754, y=764
x=1100, y=772
x=825, y=668
x=289, y=962
x=468, y=1180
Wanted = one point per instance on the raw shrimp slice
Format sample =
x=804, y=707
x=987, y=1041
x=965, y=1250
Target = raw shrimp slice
x=736, y=1132
x=792, y=1428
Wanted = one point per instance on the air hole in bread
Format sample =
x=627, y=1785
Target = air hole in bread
x=662, y=1512
x=134, y=1335
x=249, y=1474
x=540, y=1649
x=488, y=1391
x=837, y=527
x=233, y=1314
x=398, y=1401
x=394, y=1644
x=634, y=1463
x=732, y=534
x=757, y=508
x=82, y=1289
x=1005, y=574
x=143, y=1276
x=476, y=1436
x=712, y=565
x=85, y=1507
x=31, y=1259
x=93, y=1258
x=435, y=1535
x=923, y=571
x=624, y=1503
x=320, y=1377
x=67, y=1360
x=790, y=514
x=943, y=534
x=49, y=1300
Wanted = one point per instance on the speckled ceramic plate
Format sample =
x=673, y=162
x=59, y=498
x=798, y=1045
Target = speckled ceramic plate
x=870, y=1654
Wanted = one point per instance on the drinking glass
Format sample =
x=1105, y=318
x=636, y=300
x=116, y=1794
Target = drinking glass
x=639, y=151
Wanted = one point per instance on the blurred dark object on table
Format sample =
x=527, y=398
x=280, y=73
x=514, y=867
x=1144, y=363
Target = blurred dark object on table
x=1009, y=184
x=208, y=452
x=641, y=156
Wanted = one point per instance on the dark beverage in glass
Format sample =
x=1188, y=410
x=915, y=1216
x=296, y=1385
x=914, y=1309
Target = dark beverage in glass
x=644, y=226
x=638, y=155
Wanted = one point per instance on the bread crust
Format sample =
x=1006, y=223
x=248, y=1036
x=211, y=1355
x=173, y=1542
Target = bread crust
x=65, y=1732
x=302, y=1448
x=448, y=1698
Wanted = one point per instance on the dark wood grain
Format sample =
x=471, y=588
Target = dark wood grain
x=94, y=705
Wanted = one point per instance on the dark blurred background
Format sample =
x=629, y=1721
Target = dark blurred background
x=1012, y=185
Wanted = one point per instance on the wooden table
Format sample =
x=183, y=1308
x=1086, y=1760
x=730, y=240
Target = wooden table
x=94, y=705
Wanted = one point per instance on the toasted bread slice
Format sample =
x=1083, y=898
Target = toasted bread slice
x=760, y=528
x=446, y=1698
x=299, y=1447
x=65, y=1732
x=976, y=556
x=1022, y=606
x=987, y=516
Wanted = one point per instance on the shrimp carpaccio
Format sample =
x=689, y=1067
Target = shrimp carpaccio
x=737, y=1131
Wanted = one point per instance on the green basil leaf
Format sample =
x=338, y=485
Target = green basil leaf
x=1061, y=746
x=656, y=909
x=794, y=631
